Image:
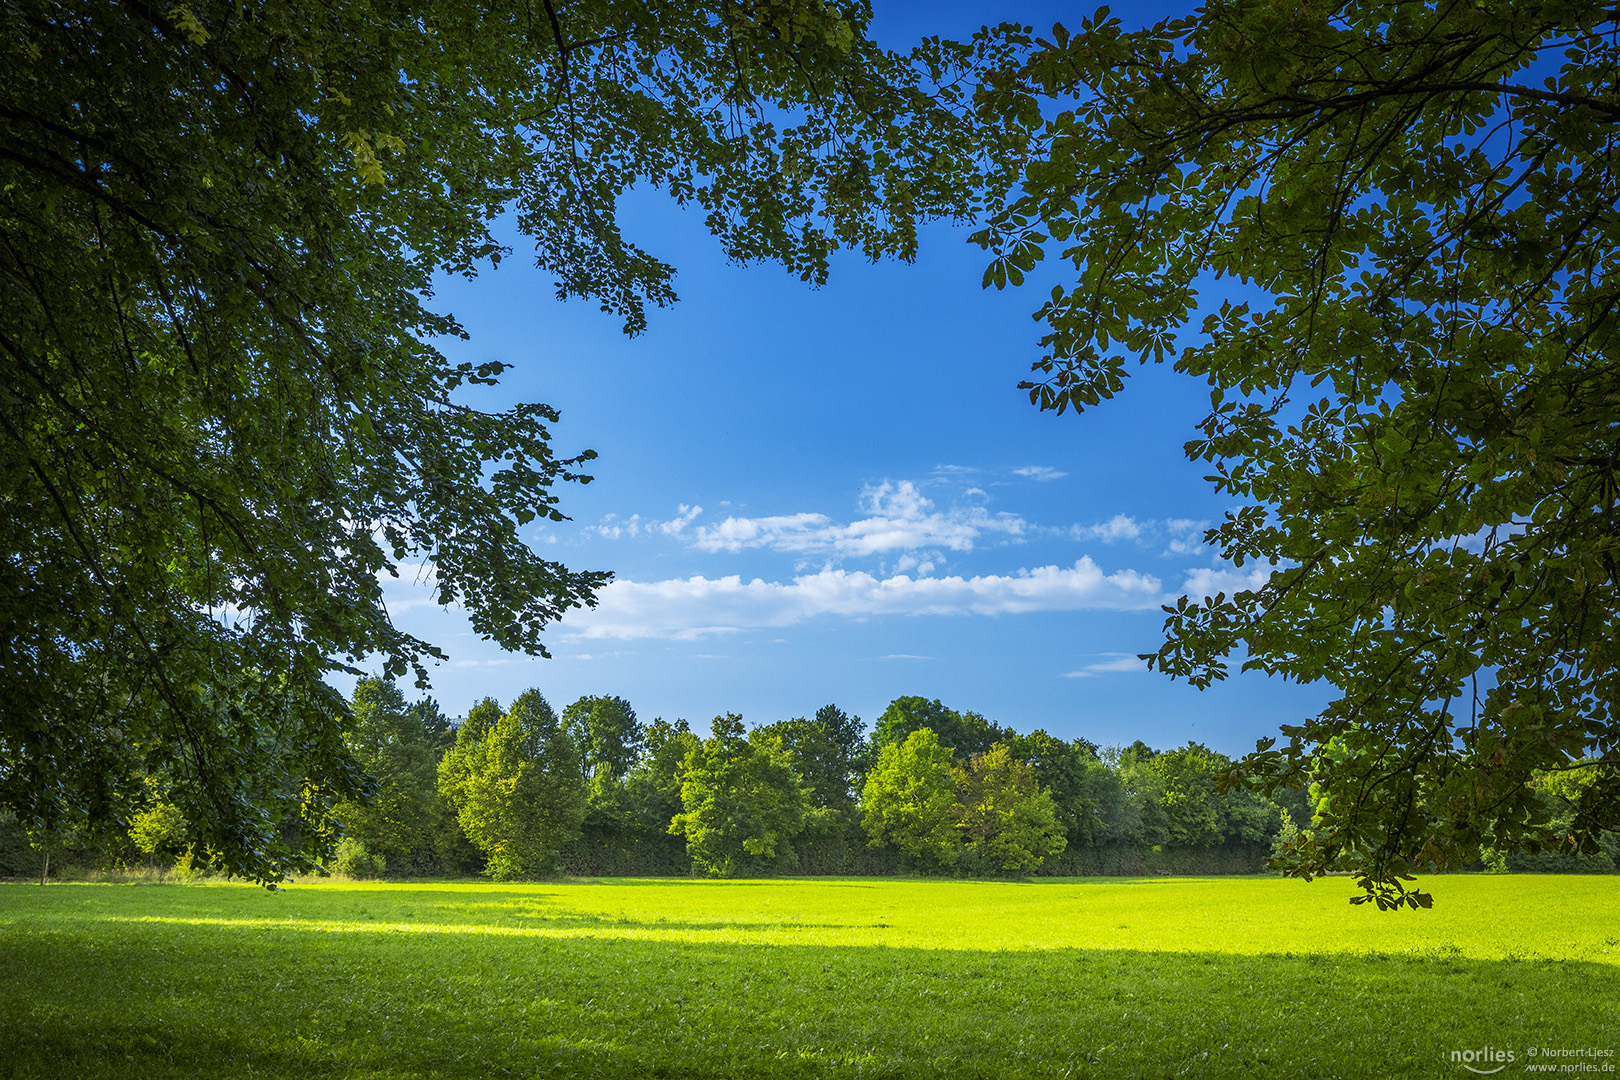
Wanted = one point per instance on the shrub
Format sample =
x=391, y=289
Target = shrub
x=353, y=860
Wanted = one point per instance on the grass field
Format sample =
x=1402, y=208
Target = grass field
x=818, y=977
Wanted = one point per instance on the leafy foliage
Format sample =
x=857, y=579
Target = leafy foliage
x=1413, y=390
x=400, y=821
x=224, y=421
x=518, y=789
x=742, y=802
x=158, y=828
x=827, y=752
x=965, y=733
x=653, y=791
x=1070, y=772
x=910, y=800
x=1007, y=821
x=608, y=734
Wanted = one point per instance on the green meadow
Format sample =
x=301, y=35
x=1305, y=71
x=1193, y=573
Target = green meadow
x=819, y=977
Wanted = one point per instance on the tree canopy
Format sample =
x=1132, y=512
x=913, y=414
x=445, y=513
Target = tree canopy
x=742, y=802
x=517, y=787
x=909, y=799
x=224, y=422
x=1413, y=380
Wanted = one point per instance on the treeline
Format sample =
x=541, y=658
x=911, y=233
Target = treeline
x=521, y=791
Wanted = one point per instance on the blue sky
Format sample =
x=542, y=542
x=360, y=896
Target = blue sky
x=839, y=495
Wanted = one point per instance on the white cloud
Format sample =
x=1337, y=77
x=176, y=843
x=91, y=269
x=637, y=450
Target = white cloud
x=612, y=527
x=699, y=606
x=1118, y=527
x=684, y=516
x=1208, y=580
x=1186, y=536
x=899, y=518
x=1040, y=472
x=1116, y=662
x=1181, y=536
x=922, y=562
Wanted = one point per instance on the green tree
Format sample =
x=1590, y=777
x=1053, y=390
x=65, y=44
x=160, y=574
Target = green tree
x=390, y=740
x=441, y=733
x=829, y=754
x=1141, y=818
x=847, y=733
x=470, y=752
x=1199, y=814
x=1065, y=771
x=1192, y=810
x=608, y=734
x=910, y=800
x=742, y=803
x=158, y=828
x=225, y=421
x=610, y=738
x=966, y=733
x=1008, y=822
x=519, y=795
x=826, y=751
x=1561, y=794
x=1109, y=820
x=1415, y=400
x=653, y=790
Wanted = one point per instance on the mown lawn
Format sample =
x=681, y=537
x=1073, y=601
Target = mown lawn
x=845, y=977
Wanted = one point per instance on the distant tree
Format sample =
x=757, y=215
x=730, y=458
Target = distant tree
x=910, y=799
x=1198, y=814
x=1249, y=819
x=826, y=752
x=653, y=791
x=158, y=828
x=742, y=803
x=610, y=739
x=526, y=797
x=1561, y=795
x=608, y=734
x=1063, y=769
x=848, y=733
x=965, y=733
x=1107, y=818
x=1142, y=821
x=441, y=733
x=467, y=756
x=1187, y=793
x=390, y=740
x=1007, y=821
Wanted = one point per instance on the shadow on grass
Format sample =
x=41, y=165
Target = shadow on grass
x=95, y=998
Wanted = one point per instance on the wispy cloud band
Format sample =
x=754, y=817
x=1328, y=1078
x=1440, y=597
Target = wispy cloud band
x=699, y=606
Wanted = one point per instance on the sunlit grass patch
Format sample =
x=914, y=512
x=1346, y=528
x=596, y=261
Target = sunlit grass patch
x=1224, y=977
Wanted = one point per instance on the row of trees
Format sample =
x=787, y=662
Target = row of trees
x=521, y=791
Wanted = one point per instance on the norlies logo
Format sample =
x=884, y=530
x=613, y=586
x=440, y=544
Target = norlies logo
x=1488, y=1055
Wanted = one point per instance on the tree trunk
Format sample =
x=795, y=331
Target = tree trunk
x=45, y=871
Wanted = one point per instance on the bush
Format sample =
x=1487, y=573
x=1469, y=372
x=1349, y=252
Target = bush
x=353, y=860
